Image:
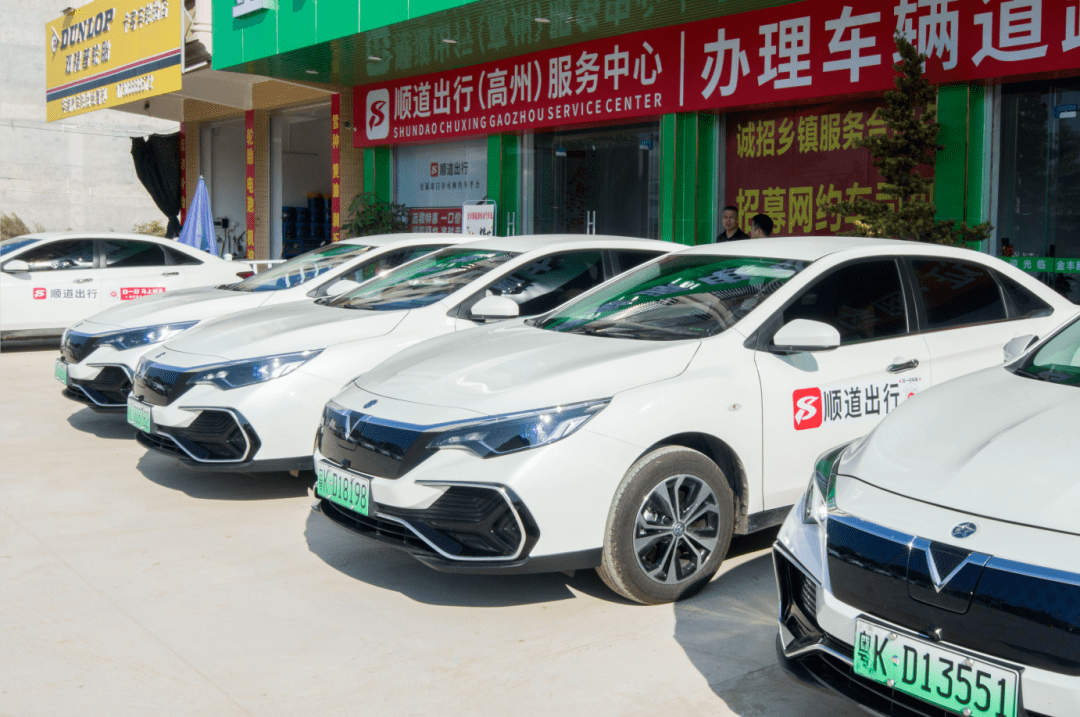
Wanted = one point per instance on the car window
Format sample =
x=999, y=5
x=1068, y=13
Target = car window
x=301, y=269
x=625, y=260
x=957, y=293
x=9, y=245
x=550, y=281
x=380, y=264
x=180, y=258
x=1058, y=361
x=678, y=297
x=60, y=255
x=125, y=253
x=862, y=301
x=1025, y=305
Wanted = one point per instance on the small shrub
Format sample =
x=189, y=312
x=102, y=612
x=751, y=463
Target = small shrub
x=153, y=228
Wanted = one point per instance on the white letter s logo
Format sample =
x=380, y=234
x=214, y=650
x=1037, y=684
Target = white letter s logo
x=806, y=409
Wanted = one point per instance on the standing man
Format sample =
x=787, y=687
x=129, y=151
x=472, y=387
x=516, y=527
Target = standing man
x=760, y=226
x=730, y=219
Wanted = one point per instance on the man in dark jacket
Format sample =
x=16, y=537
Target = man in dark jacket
x=730, y=219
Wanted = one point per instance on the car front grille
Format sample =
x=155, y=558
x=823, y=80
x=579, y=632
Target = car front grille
x=1022, y=613
x=373, y=446
x=213, y=437
x=160, y=384
x=110, y=388
x=77, y=346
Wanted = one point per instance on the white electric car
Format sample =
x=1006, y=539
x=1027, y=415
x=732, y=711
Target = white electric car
x=51, y=280
x=98, y=355
x=933, y=567
x=636, y=428
x=245, y=391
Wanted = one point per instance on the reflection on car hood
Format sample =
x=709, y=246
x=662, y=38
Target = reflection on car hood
x=179, y=305
x=283, y=328
x=991, y=444
x=513, y=367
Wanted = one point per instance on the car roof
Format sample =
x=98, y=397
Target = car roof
x=96, y=235
x=811, y=248
x=531, y=242
x=404, y=238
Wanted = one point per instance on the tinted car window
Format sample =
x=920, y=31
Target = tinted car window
x=60, y=255
x=626, y=260
x=957, y=293
x=121, y=254
x=1025, y=304
x=180, y=258
x=388, y=261
x=862, y=301
x=550, y=281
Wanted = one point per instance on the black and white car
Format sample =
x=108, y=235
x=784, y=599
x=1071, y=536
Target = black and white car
x=933, y=567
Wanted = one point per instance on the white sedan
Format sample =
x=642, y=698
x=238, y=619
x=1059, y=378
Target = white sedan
x=936, y=562
x=245, y=391
x=99, y=354
x=637, y=428
x=51, y=280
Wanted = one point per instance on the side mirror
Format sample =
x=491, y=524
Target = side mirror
x=493, y=308
x=16, y=266
x=1016, y=348
x=805, y=335
x=340, y=287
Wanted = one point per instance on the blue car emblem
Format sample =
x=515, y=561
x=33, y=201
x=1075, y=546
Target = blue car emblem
x=371, y=403
x=964, y=530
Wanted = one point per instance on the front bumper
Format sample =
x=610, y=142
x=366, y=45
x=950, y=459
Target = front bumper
x=101, y=377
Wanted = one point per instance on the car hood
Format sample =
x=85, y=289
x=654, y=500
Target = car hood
x=283, y=328
x=512, y=368
x=179, y=305
x=992, y=444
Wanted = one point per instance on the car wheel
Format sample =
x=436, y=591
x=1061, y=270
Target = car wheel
x=669, y=527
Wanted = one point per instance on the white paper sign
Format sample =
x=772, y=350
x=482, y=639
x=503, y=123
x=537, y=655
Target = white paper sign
x=478, y=219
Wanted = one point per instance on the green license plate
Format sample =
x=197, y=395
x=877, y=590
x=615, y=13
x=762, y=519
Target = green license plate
x=61, y=371
x=139, y=415
x=344, y=488
x=959, y=683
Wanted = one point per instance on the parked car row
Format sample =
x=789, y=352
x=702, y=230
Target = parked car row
x=556, y=403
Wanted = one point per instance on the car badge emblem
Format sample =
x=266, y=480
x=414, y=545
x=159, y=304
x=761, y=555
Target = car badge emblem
x=964, y=530
x=371, y=403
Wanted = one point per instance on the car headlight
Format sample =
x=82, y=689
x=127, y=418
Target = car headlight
x=821, y=493
x=235, y=374
x=512, y=432
x=133, y=338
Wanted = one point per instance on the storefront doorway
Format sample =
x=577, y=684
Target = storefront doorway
x=598, y=181
x=300, y=180
x=1039, y=191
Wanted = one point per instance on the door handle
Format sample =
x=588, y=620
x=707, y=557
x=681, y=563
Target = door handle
x=81, y=281
x=171, y=273
x=900, y=367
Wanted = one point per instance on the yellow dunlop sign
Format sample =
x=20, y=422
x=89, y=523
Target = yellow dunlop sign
x=111, y=52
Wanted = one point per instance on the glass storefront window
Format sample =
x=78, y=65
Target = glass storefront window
x=1039, y=194
x=435, y=180
x=613, y=172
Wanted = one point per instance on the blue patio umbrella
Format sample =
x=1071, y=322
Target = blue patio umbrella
x=198, y=231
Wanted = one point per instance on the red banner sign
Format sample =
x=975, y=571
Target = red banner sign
x=443, y=220
x=183, y=174
x=784, y=163
x=249, y=192
x=335, y=167
x=818, y=49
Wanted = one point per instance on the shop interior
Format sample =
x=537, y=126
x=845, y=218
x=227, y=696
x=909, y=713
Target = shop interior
x=300, y=180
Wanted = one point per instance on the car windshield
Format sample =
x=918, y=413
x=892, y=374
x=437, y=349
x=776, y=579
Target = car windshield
x=1058, y=361
x=678, y=297
x=423, y=281
x=301, y=269
x=10, y=245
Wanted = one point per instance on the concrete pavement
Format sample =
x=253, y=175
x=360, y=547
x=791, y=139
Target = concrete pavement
x=132, y=585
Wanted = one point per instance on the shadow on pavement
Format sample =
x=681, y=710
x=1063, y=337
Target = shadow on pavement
x=103, y=425
x=728, y=631
x=392, y=569
x=212, y=485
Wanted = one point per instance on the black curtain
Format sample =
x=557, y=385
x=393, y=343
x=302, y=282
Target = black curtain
x=157, y=163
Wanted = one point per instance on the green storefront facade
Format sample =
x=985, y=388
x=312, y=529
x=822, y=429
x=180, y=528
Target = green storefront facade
x=675, y=167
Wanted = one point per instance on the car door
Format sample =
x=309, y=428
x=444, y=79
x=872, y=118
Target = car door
x=812, y=401
x=551, y=281
x=133, y=268
x=62, y=286
x=963, y=311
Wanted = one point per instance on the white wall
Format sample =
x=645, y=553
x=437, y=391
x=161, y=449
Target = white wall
x=71, y=174
x=228, y=169
x=305, y=161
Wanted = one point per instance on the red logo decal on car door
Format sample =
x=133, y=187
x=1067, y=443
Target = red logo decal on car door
x=40, y=292
x=807, y=403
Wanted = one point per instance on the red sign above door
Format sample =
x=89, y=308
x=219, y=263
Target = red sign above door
x=793, y=52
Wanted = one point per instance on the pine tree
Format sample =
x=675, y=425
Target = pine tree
x=911, y=141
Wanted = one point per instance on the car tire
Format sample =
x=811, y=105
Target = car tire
x=651, y=557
